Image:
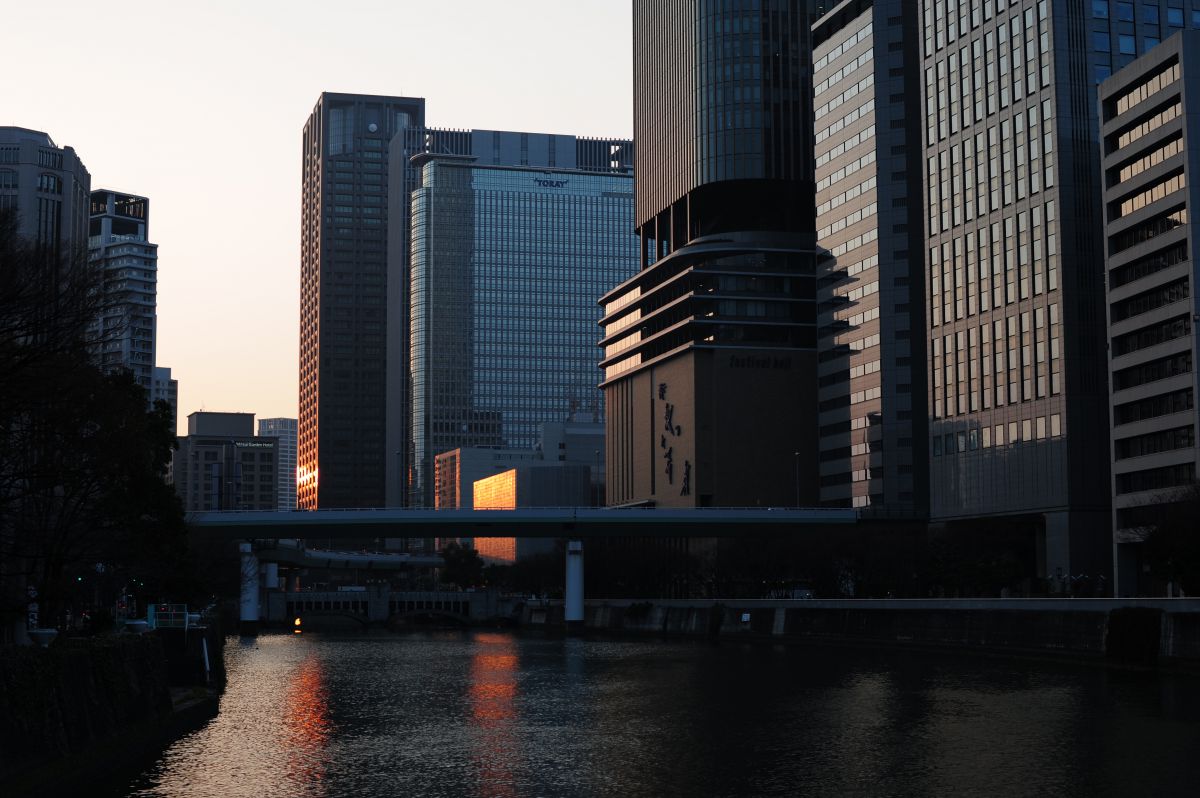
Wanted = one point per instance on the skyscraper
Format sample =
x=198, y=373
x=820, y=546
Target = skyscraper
x=1151, y=141
x=1015, y=283
x=284, y=430
x=486, y=148
x=343, y=297
x=710, y=349
x=119, y=246
x=870, y=263
x=507, y=263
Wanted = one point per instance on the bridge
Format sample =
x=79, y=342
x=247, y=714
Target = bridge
x=271, y=534
x=378, y=604
x=574, y=523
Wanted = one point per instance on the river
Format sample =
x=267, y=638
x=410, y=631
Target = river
x=500, y=714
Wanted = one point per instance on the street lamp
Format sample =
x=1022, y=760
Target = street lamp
x=796, y=456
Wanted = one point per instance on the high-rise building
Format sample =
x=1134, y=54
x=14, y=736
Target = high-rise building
x=284, y=430
x=119, y=247
x=870, y=258
x=1150, y=129
x=344, y=318
x=221, y=465
x=710, y=349
x=48, y=186
x=487, y=148
x=1015, y=283
x=507, y=262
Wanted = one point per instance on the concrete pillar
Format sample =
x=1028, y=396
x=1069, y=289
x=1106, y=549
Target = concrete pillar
x=573, y=594
x=248, y=606
x=272, y=576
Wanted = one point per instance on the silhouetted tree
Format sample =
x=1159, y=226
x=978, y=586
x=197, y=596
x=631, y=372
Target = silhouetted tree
x=82, y=462
x=464, y=566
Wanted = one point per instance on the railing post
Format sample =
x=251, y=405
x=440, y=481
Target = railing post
x=573, y=594
x=248, y=607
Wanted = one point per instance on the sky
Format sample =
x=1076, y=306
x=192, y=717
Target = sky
x=200, y=106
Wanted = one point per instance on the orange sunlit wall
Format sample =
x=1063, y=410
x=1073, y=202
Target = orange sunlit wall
x=497, y=492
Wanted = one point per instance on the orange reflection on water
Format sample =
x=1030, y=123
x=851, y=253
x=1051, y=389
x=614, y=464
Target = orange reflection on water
x=491, y=693
x=306, y=724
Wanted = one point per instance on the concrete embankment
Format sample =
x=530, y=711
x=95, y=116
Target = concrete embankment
x=77, y=717
x=1142, y=632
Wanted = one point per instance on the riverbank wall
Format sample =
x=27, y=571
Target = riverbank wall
x=84, y=712
x=1129, y=631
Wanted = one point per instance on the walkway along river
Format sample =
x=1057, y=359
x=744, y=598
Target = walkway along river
x=476, y=713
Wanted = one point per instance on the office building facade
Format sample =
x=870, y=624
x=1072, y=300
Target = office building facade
x=119, y=247
x=1015, y=300
x=343, y=297
x=221, y=465
x=710, y=349
x=48, y=186
x=870, y=263
x=487, y=148
x=284, y=431
x=1150, y=128
x=506, y=265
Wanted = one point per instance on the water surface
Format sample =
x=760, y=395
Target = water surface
x=498, y=714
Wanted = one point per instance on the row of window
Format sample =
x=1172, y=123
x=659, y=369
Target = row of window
x=1155, y=442
x=1011, y=434
x=1151, y=194
x=1147, y=88
x=1148, y=161
x=1148, y=265
x=1153, y=335
x=1151, y=300
x=1153, y=407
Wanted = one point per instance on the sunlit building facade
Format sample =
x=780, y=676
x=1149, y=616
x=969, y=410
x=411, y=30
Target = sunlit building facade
x=870, y=264
x=344, y=319
x=507, y=263
x=1150, y=127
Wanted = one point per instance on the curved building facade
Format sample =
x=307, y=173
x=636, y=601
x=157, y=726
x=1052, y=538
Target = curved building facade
x=710, y=350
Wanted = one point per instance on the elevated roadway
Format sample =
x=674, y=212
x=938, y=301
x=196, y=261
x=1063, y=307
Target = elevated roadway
x=575, y=523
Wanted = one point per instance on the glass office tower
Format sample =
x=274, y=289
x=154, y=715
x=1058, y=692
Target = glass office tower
x=488, y=148
x=507, y=263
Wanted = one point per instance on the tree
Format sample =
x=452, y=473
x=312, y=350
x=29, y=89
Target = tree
x=464, y=566
x=82, y=462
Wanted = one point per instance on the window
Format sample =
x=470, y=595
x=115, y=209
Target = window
x=1125, y=12
x=1127, y=44
x=8, y=178
x=1150, y=14
x=1175, y=17
x=1100, y=9
x=1100, y=42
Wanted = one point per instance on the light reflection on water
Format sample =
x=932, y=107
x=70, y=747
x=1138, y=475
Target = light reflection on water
x=494, y=714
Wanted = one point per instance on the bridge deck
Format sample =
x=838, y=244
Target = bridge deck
x=577, y=523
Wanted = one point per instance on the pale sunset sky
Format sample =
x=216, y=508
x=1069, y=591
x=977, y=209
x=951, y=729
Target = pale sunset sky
x=200, y=105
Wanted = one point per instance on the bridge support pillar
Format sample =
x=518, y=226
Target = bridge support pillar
x=573, y=594
x=248, y=606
